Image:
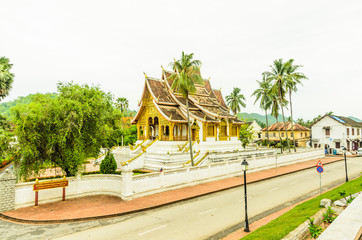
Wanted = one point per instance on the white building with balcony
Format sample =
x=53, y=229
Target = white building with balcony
x=336, y=132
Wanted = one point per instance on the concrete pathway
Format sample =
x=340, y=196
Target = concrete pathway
x=102, y=206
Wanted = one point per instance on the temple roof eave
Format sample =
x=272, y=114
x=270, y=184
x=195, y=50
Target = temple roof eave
x=166, y=117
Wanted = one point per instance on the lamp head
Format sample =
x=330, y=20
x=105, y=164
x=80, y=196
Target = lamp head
x=244, y=165
x=344, y=149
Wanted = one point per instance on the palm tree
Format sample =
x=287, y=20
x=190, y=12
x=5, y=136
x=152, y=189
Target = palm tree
x=300, y=121
x=275, y=113
x=187, y=73
x=6, y=77
x=122, y=104
x=278, y=77
x=293, y=78
x=235, y=100
x=262, y=94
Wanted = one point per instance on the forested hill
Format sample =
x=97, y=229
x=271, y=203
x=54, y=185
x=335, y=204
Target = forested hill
x=6, y=106
x=259, y=117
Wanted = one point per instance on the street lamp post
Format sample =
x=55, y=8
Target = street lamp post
x=345, y=162
x=244, y=165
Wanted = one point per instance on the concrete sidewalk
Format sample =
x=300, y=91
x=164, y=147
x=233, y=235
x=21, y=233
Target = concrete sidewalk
x=104, y=206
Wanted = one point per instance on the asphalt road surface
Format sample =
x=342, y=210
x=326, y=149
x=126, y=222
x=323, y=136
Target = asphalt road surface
x=199, y=218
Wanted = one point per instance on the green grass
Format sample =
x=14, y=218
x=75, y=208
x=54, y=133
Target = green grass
x=283, y=225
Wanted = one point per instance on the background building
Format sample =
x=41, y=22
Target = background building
x=336, y=132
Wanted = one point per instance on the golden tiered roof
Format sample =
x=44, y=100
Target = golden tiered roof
x=206, y=105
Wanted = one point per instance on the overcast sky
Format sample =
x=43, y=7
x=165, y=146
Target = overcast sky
x=111, y=43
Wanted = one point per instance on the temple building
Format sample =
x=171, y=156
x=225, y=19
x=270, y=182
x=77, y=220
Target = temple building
x=163, y=116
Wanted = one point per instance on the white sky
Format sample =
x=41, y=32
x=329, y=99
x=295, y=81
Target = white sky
x=111, y=43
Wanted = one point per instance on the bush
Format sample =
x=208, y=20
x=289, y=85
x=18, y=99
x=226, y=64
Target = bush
x=108, y=165
x=314, y=230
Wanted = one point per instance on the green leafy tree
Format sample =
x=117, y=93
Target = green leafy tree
x=6, y=77
x=293, y=79
x=246, y=134
x=235, y=100
x=262, y=95
x=62, y=131
x=6, y=138
x=187, y=74
x=122, y=104
x=278, y=78
x=108, y=165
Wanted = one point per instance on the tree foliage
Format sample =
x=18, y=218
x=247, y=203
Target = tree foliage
x=235, y=100
x=122, y=104
x=6, y=77
x=108, y=165
x=62, y=131
x=187, y=73
x=6, y=138
x=246, y=134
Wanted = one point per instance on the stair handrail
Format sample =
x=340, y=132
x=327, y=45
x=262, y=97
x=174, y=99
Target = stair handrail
x=138, y=155
x=148, y=145
x=181, y=148
x=187, y=148
x=197, y=154
x=206, y=154
x=135, y=147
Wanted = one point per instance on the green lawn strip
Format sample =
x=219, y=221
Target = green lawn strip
x=283, y=225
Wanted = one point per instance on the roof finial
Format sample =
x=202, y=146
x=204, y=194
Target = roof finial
x=145, y=75
x=171, y=116
x=162, y=68
x=205, y=117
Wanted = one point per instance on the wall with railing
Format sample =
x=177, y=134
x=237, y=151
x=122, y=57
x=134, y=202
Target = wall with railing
x=78, y=187
x=128, y=186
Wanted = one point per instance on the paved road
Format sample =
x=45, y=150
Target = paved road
x=199, y=218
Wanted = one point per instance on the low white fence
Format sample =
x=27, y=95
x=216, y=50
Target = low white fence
x=128, y=186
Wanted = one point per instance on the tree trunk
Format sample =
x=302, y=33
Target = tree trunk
x=280, y=138
x=291, y=118
x=189, y=127
x=267, y=125
x=285, y=126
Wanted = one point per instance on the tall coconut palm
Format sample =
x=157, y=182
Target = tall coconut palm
x=278, y=77
x=235, y=100
x=6, y=77
x=122, y=104
x=187, y=73
x=262, y=95
x=293, y=79
x=275, y=113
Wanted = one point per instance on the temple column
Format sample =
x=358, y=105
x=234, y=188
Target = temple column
x=138, y=131
x=170, y=131
x=215, y=131
x=230, y=126
x=204, y=131
x=159, y=132
x=147, y=129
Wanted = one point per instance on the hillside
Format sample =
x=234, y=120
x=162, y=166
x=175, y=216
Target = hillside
x=259, y=117
x=6, y=106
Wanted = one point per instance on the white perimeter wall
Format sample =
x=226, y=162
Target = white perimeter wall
x=128, y=186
